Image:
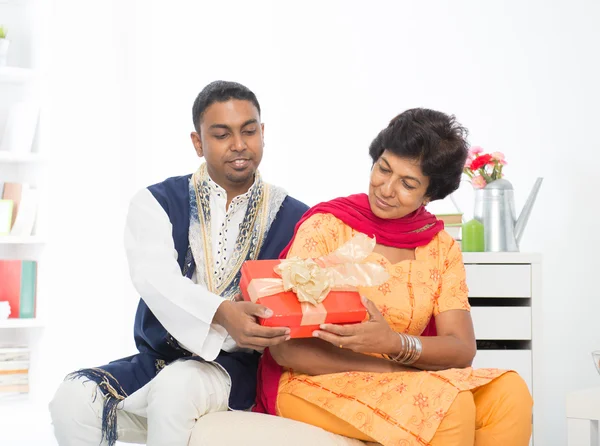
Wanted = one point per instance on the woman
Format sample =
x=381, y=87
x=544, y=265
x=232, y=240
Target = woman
x=380, y=381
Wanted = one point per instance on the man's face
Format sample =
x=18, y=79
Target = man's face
x=231, y=141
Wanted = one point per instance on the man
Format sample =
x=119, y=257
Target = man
x=186, y=239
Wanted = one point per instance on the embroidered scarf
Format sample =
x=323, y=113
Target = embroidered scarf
x=263, y=204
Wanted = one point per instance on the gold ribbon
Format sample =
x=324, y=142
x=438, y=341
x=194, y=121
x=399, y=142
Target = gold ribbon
x=312, y=279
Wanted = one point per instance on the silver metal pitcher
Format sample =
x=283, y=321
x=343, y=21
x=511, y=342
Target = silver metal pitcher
x=495, y=208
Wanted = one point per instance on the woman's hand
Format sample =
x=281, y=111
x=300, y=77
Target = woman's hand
x=373, y=336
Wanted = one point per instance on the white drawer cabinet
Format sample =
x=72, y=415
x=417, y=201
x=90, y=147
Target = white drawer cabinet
x=502, y=323
x=499, y=280
x=504, y=292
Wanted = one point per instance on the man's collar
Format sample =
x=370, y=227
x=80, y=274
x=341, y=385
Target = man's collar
x=236, y=201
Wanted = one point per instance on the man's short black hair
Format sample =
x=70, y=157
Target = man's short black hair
x=220, y=91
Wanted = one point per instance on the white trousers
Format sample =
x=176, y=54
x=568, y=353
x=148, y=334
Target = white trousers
x=162, y=413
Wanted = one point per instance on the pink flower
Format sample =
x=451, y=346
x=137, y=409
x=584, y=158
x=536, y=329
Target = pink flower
x=482, y=167
x=478, y=182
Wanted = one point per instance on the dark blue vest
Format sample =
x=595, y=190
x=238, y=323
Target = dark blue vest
x=156, y=346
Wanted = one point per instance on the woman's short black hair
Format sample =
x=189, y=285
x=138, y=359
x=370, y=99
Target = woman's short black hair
x=220, y=91
x=434, y=139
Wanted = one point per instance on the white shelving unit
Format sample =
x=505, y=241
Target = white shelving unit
x=9, y=240
x=11, y=158
x=22, y=248
x=505, y=296
x=24, y=419
x=21, y=323
x=21, y=171
x=16, y=75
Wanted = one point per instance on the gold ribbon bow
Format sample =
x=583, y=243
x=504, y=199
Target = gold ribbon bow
x=312, y=279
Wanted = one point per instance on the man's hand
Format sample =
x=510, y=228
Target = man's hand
x=239, y=319
x=238, y=298
x=373, y=336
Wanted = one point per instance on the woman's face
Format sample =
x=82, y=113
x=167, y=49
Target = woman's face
x=397, y=186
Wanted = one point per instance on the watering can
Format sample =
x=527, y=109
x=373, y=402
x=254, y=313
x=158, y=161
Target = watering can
x=495, y=208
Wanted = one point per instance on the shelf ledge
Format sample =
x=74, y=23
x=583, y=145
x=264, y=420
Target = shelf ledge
x=21, y=323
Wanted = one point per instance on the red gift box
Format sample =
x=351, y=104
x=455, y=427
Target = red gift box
x=340, y=307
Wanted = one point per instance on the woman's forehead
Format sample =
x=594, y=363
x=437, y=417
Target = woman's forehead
x=399, y=164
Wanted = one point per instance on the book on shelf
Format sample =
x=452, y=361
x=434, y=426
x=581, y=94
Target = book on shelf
x=13, y=192
x=14, y=371
x=6, y=211
x=448, y=211
x=455, y=230
x=24, y=221
x=13, y=353
x=23, y=210
x=450, y=219
x=452, y=223
x=19, y=284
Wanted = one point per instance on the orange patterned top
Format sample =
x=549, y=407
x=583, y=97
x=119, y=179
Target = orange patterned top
x=401, y=408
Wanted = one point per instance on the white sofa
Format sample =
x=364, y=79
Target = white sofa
x=254, y=429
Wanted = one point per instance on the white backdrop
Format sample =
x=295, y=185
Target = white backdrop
x=122, y=76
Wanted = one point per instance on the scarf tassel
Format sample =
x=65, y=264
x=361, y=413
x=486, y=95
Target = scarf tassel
x=112, y=393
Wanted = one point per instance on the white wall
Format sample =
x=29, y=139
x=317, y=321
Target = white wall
x=122, y=76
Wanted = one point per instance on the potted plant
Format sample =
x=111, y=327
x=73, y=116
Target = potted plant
x=4, y=43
